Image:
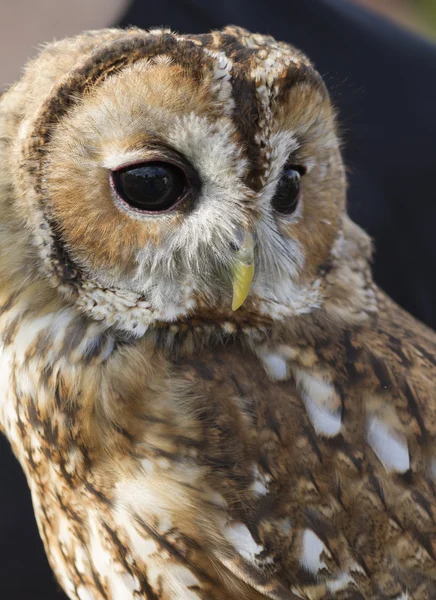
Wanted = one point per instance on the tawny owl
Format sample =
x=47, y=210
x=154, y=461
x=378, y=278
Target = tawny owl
x=208, y=394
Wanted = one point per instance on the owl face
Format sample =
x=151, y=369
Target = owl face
x=177, y=177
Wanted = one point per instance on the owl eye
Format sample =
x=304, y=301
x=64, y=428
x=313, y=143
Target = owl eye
x=151, y=187
x=287, y=195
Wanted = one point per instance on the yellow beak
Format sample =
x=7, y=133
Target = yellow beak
x=243, y=270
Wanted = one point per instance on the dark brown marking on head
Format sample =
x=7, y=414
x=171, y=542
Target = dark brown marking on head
x=246, y=117
x=246, y=112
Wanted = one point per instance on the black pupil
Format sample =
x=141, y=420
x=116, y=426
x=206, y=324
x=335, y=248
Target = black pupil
x=285, y=200
x=154, y=186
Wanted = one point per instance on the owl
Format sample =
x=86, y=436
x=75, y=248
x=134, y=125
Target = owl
x=209, y=396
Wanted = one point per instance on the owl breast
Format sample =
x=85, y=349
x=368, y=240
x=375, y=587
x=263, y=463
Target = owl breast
x=155, y=475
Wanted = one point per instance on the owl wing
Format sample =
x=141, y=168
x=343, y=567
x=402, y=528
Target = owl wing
x=328, y=474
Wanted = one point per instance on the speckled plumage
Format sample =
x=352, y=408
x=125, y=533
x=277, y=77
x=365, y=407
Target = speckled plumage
x=176, y=449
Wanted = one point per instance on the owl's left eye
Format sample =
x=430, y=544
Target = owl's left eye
x=287, y=196
x=150, y=187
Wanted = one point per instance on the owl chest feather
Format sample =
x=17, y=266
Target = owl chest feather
x=225, y=472
x=132, y=459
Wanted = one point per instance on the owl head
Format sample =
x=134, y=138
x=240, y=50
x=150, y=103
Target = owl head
x=164, y=179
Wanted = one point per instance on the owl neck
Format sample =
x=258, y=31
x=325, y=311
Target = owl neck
x=63, y=366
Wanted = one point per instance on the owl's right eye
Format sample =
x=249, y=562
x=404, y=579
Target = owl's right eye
x=152, y=187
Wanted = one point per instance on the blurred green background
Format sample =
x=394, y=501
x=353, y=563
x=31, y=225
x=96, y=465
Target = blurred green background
x=419, y=15
x=426, y=10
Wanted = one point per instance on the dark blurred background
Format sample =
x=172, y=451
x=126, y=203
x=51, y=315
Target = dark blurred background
x=378, y=58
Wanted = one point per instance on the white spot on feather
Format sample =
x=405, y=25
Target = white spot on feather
x=391, y=448
x=242, y=540
x=324, y=422
x=260, y=483
x=322, y=404
x=164, y=524
x=339, y=583
x=81, y=559
x=258, y=487
x=312, y=548
x=275, y=366
x=147, y=465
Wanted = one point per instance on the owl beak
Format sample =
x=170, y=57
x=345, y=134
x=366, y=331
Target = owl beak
x=243, y=268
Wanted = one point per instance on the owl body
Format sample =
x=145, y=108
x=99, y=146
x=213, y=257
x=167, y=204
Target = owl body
x=179, y=444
